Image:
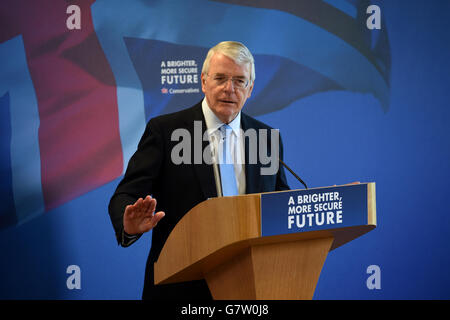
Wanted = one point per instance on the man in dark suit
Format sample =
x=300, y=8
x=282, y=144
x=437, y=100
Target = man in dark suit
x=227, y=77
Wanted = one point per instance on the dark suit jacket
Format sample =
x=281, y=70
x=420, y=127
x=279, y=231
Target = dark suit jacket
x=177, y=189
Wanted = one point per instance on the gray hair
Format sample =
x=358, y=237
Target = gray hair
x=234, y=50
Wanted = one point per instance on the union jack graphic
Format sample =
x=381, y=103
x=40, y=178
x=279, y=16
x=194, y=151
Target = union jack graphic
x=74, y=103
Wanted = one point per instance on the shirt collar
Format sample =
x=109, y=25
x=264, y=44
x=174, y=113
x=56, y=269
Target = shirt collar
x=213, y=123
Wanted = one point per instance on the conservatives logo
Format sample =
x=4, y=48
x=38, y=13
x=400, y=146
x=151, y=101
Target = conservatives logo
x=181, y=76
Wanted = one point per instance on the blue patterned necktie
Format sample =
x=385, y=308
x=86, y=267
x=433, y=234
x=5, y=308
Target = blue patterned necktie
x=227, y=175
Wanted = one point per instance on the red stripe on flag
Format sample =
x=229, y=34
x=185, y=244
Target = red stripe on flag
x=75, y=88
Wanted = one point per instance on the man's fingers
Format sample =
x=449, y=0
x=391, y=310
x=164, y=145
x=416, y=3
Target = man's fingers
x=157, y=216
x=141, y=205
x=142, y=213
x=146, y=203
x=129, y=210
x=152, y=222
x=152, y=206
x=135, y=206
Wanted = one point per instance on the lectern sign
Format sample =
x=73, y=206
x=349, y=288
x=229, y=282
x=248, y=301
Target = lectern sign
x=313, y=209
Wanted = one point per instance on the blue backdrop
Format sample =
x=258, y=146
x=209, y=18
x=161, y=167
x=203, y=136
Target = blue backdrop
x=352, y=104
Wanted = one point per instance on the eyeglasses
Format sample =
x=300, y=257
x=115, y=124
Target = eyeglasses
x=221, y=79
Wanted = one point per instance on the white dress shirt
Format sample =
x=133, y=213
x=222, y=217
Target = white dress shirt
x=213, y=123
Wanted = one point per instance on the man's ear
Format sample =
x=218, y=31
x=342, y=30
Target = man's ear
x=203, y=80
x=250, y=90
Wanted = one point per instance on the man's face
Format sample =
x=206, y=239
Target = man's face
x=226, y=99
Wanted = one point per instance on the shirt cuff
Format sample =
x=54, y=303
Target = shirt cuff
x=128, y=239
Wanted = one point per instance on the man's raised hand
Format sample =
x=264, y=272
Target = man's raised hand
x=140, y=217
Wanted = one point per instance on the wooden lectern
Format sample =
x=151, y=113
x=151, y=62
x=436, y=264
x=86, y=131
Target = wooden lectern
x=221, y=240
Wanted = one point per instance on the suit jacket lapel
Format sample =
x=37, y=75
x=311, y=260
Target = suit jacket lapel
x=204, y=172
x=252, y=171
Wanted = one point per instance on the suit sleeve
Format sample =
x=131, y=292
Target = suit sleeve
x=141, y=177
